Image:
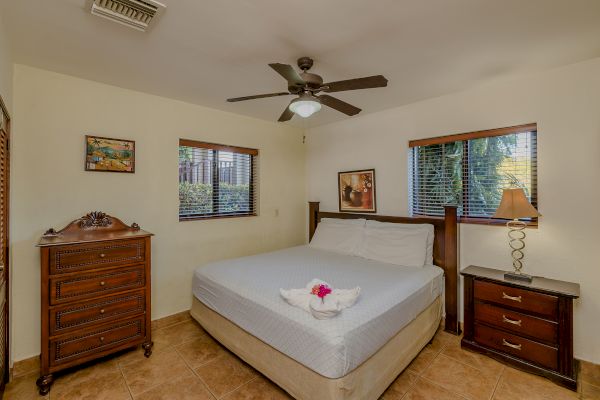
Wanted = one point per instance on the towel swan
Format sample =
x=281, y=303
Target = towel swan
x=329, y=307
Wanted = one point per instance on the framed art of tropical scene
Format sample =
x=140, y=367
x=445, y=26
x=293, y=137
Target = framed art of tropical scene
x=356, y=191
x=108, y=154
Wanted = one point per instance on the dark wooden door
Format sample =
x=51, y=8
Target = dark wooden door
x=4, y=183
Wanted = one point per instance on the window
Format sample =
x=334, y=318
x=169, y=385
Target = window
x=216, y=180
x=470, y=170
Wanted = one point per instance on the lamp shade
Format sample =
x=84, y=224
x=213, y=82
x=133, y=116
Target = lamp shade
x=514, y=205
x=305, y=105
x=305, y=108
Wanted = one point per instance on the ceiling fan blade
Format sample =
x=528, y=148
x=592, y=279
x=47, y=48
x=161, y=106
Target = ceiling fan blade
x=358, y=83
x=289, y=73
x=286, y=115
x=258, y=96
x=339, y=105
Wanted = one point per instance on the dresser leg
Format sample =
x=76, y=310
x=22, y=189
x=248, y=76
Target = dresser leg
x=147, y=348
x=44, y=382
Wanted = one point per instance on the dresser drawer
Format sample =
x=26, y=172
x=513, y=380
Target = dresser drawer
x=520, y=324
x=82, y=257
x=530, y=302
x=91, y=341
x=526, y=349
x=81, y=315
x=84, y=286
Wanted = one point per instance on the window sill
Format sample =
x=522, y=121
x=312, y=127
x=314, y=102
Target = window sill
x=493, y=222
x=197, y=218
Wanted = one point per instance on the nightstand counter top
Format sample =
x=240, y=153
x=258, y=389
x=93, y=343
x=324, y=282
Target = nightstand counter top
x=538, y=284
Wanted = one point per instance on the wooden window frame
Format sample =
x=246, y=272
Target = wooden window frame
x=6, y=273
x=215, y=178
x=466, y=137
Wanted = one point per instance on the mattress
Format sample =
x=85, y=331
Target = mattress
x=246, y=292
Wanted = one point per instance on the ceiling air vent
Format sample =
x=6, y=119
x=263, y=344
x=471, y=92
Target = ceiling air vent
x=136, y=14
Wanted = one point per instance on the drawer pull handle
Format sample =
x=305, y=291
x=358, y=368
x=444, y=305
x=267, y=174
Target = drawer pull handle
x=102, y=255
x=511, y=321
x=513, y=298
x=511, y=345
x=102, y=283
x=102, y=338
x=102, y=311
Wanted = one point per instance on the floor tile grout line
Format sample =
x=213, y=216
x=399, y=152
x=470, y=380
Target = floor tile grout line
x=418, y=374
x=198, y=375
x=155, y=331
x=410, y=385
x=125, y=380
x=450, y=390
x=429, y=364
x=498, y=382
x=590, y=383
x=443, y=387
x=239, y=387
x=472, y=366
x=145, y=359
x=180, y=344
x=477, y=369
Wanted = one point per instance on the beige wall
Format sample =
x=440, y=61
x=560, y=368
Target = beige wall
x=53, y=112
x=6, y=68
x=566, y=105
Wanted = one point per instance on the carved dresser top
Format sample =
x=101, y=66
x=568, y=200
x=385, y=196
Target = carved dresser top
x=93, y=227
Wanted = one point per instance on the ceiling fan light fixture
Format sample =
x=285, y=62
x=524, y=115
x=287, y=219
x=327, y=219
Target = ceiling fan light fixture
x=305, y=106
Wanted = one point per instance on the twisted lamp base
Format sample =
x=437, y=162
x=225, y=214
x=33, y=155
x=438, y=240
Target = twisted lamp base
x=516, y=241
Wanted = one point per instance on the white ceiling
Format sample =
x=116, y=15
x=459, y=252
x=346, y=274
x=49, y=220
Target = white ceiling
x=204, y=51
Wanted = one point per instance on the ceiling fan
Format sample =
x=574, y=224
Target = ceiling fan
x=306, y=85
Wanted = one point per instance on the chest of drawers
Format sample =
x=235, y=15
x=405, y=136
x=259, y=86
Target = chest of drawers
x=529, y=325
x=95, y=290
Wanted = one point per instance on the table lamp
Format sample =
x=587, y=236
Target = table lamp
x=513, y=206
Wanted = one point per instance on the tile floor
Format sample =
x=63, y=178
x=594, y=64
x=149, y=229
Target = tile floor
x=188, y=364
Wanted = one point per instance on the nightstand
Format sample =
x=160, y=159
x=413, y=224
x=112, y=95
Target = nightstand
x=528, y=325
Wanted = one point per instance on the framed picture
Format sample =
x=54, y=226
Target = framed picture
x=356, y=191
x=109, y=155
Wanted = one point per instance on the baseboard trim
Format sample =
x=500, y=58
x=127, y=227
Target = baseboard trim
x=171, y=320
x=32, y=364
x=24, y=367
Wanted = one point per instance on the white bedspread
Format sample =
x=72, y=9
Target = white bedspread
x=246, y=291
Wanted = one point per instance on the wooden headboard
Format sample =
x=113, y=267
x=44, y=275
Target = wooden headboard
x=445, y=249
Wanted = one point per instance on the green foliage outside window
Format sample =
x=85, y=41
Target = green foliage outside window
x=471, y=174
x=197, y=198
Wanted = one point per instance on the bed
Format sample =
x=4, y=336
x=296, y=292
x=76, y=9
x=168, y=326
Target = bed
x=355, y=355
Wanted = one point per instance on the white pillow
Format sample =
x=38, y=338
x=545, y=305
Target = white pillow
x=406, y=247
x=342, y=221
x=338, y=237
x=426, y=227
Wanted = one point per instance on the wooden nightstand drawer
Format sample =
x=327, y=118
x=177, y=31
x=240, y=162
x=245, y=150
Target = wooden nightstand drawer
x=83, y=257
x=518, y=323
x=545, y=356
x=524, y=300
x=89, y=341
x=526, y=324
x=76, y=316
x=84, y=286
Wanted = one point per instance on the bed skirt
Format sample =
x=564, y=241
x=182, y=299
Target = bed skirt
x=366, y=382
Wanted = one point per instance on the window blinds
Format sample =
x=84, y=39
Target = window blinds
x=216, y=180
x=470, y=170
